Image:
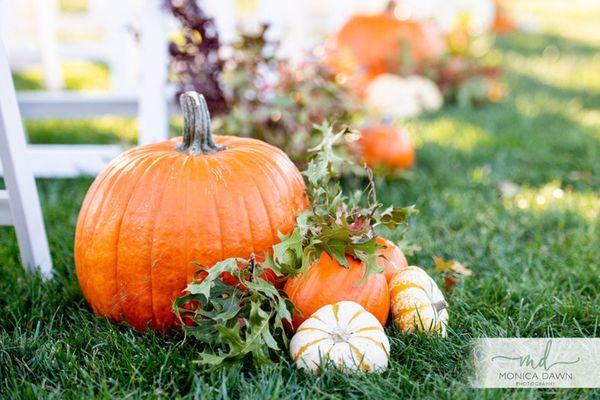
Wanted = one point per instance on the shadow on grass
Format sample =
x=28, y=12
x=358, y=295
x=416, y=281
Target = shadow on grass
x=531, y=44
x=27, y=82
x=589, y=98
x=534, y=136
x=526, y=149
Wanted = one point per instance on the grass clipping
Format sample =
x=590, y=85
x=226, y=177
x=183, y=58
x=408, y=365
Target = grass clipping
x=236, y=313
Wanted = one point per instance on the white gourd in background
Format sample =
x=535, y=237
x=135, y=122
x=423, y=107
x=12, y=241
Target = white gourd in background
x=403, y=97
x=343, y=335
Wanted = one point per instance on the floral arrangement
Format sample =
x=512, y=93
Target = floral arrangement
x=250, y=318
x=462, y=75
x=265, y=96
x=277, y=101
x=403, y=67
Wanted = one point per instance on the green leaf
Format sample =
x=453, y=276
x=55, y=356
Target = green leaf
x=368, y=246
x=338, y=251
x=286, y=251
x=210, y=359
x=204, y=287
x=392, y=217
x=371, y=265
x=314, y=172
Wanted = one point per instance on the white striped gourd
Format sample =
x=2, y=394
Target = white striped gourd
x=343, y=335
x=417, y=302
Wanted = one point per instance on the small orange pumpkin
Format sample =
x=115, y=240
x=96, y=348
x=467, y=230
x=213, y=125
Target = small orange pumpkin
x=328, y=282
x=158, y=208
x=386, y=145
x=369, y=45
x=392, y=259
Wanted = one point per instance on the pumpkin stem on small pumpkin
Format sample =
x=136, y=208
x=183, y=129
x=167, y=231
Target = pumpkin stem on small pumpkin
x=440, y=305
x=197, y=137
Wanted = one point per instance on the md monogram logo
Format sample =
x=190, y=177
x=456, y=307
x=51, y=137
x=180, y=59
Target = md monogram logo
x=528, y=362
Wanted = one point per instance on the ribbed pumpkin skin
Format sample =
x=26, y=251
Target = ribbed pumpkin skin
x=386, y=145
x=417, y=303
x=393, y=258
x=343, y=335
x=328, y=282
x=155, y=211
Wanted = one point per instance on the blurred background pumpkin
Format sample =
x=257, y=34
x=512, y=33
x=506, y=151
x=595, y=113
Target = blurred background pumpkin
x=370, y=45
x=385, y=145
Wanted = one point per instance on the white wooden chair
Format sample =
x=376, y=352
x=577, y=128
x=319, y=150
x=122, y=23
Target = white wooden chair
x=149, y=99
x=19, y=203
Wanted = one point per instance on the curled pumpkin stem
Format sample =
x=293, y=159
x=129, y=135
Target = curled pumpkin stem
x=197, y=137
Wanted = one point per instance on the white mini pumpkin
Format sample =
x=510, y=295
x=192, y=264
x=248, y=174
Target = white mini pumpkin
x=417, y=302
x=402, y=97
x=343, y=335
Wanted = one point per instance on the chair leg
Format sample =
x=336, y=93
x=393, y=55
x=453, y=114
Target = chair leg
x=23, y=200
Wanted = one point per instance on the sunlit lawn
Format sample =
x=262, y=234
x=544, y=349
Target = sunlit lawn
x=511, y=190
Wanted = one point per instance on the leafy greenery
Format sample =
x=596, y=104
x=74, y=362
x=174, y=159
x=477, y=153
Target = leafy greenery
x=234, y=321
x=335, y=223
x=254, y=91
x=278, y=100
x=533, y=250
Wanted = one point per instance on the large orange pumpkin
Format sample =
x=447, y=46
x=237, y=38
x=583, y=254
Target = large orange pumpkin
x=392, y=259
x=386, y=145
x=369, y=45
x=327, y=282
x=159, y=208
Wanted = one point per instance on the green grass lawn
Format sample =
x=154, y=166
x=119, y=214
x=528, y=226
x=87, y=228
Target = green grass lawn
x=511, y=190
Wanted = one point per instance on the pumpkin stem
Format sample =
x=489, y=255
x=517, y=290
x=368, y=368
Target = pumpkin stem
x=197, y=137
x=440, y=305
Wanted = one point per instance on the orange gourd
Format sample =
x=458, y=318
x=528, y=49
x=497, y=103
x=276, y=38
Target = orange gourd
x=393, y=259
x=327, y=282
x=159, y=208
x=369, y=45
x=417, y=304
x=386, y=145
